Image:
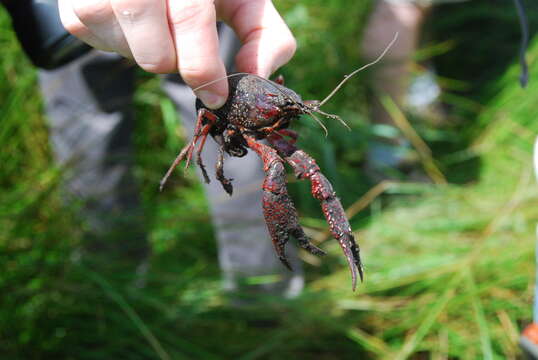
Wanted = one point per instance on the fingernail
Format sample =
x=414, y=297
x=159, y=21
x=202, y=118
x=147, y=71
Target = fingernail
x=210, y=99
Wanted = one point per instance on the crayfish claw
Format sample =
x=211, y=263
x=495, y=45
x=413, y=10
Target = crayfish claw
x=305, y=167
x=285, y=261
x=351, y=251
x=305, y=243
x=280, y=238
x=227, y=186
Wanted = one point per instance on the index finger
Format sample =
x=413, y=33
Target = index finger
x=193, y=23
x=267, y=41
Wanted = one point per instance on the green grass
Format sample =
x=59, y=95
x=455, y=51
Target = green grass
x=449, y=269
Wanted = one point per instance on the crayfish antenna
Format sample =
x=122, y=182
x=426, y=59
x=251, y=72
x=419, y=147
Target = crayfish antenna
x=320, y=123
x=347, y=77
x=333, y=116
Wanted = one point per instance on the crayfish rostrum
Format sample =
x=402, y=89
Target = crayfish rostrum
x=259, y=109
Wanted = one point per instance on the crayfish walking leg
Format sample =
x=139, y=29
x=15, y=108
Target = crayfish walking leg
x=278, y=209
x=305, y=167
x=200, y=130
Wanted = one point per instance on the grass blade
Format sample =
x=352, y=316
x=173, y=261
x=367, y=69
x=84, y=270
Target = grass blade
x=485, y=339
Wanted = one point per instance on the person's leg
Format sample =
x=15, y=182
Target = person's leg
x=391, y=76
x=245, y=249
x=89, y=108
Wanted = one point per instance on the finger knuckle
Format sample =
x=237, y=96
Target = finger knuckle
x=193, y=74
x=133, y=7
x=189, y=13
x=74, y=28
x=198, y=72
x=92, y=11
x=163, y=65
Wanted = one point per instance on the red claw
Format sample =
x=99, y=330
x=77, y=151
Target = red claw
x=278, y=209
x=305, y=167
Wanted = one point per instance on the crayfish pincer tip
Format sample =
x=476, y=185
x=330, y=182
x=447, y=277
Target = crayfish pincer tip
x=286, y=263
x=357, y=268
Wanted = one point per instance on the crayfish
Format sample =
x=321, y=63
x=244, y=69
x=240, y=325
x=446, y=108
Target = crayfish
x=259, y=109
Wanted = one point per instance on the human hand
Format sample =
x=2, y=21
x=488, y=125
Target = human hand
x=165, y=36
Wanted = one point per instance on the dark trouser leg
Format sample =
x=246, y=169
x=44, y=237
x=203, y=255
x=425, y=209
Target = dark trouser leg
x=89, y=108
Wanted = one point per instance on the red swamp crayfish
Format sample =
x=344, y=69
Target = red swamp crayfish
x=259, y=109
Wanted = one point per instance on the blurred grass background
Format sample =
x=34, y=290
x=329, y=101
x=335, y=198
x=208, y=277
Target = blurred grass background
x=449, y=269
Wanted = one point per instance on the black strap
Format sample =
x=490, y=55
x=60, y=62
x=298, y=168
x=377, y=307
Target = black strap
x=524, y=77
